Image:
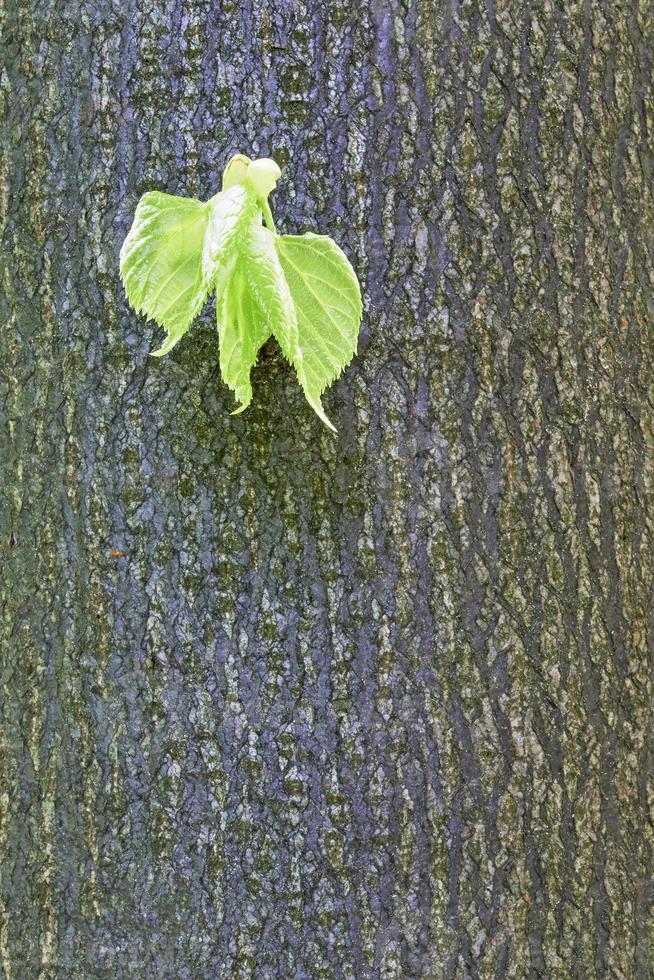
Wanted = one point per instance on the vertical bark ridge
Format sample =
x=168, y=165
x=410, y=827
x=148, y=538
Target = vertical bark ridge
x=280, y=704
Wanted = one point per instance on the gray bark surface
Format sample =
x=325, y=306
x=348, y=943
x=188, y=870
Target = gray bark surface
x=280, y=704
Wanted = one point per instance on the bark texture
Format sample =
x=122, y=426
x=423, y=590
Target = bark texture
x=280, y=704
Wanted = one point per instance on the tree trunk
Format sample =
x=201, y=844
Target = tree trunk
x=283, y=704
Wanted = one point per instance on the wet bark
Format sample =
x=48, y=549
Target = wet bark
x=282, y=704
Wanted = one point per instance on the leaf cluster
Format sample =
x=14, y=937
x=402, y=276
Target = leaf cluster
x=300, y=289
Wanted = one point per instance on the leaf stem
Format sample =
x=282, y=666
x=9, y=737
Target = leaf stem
x=267, y=216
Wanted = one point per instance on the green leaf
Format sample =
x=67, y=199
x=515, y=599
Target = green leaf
x=270, y=290
x=174, y=252
x=327, y=300
x=230, y=214
x=242, y=330
x=161, y=261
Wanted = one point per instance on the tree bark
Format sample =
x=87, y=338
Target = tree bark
x=281, y=704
